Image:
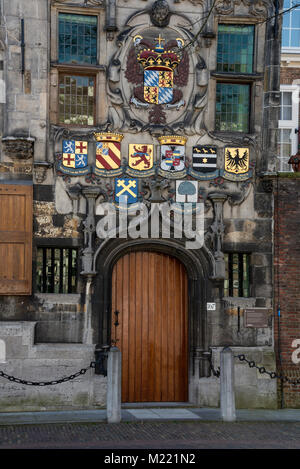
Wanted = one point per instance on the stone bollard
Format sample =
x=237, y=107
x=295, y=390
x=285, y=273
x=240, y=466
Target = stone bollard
x=227, y=396
x=113, y=401
x=2, y=351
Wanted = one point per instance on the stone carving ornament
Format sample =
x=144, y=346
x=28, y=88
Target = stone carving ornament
x=181, y=92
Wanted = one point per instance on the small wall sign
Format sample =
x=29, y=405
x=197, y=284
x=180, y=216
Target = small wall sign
x=211, y=306
x=256, y=317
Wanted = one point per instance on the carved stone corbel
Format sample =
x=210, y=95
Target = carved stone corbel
x=40, y=170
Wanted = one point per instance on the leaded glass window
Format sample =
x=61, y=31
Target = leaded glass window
x=237, y=281
x=56, y=270
x=235, y=48
x=77, y=41
x=76, y=99
x=232, y=107
x=291, y=25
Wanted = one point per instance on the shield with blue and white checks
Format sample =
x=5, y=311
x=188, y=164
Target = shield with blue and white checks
x=158, y=86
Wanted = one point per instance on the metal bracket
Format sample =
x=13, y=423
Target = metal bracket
x=101, y=354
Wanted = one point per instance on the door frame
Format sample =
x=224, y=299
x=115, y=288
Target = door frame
x=199, y=270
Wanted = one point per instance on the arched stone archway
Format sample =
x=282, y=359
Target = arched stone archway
x=199, y=271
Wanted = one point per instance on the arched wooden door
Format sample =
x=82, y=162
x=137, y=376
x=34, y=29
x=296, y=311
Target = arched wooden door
x=149, y=290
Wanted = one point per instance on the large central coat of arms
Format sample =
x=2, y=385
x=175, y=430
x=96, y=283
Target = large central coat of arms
x=155, y=82
x=159, y=71
x=159, y=65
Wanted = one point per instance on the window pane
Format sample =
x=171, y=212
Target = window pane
x=284, y=150
x=285, y=37
x=76, y=30
x=234, y=115
x=285, y=105
x=235, y=48
x=295, y=38
x=286, y=98
x=73, y=100
x=295, y=14
x=291, y=25
x=286, y=113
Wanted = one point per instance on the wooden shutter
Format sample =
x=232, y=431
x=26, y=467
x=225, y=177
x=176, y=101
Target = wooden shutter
x=15, y=239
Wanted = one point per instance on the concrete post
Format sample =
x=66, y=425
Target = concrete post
x=113, y=402
x=227, y=396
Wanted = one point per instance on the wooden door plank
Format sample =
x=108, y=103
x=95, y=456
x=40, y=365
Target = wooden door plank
x=151, y=326
x=132, y=327
x=138, y=325
x=165, y=325
x=145, y=310
x=150, y=291
x=157, y=330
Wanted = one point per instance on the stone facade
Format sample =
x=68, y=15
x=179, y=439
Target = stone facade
x=63, y=329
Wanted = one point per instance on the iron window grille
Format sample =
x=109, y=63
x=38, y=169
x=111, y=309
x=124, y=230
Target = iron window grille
x=237, y=275
x=57, y=270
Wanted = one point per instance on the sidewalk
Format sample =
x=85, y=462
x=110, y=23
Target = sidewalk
x=148, y=414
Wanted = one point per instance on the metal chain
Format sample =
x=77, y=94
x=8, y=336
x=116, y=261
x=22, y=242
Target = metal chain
x=261, y=370
x=215, y=372
x=47, y=383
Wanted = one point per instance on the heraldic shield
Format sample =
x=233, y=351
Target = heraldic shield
x=108, y=154
x=158, y=86
x=74, y=158
x=159, y=65
x=172, y=153
x=140, y=157
x=237, y=160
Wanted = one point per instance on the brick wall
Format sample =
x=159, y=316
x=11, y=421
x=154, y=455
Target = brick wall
x=287, y=281
x=288, y=75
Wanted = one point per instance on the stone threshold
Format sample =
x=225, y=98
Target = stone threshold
x=161, y=405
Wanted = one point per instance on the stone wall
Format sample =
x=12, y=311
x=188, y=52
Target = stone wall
x=46, y=362
x=31, y=145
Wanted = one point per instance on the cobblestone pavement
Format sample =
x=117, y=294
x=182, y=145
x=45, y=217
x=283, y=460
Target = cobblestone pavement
x=158, y=435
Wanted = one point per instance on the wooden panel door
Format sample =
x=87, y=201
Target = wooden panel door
x=15, y=239
x=150, y=292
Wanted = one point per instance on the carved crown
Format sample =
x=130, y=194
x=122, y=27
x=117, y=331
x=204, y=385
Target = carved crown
x=108, y=137
x=172, y=140
x=159, y=57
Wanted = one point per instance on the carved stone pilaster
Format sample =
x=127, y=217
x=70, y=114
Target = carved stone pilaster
x=91, y=194
x=217, y=231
